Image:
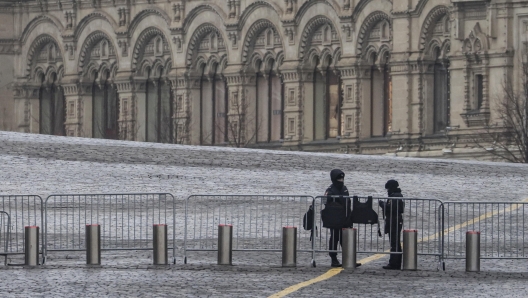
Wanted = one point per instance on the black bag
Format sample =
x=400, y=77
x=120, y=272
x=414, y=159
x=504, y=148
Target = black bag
x=308, y=219
x=334, y=216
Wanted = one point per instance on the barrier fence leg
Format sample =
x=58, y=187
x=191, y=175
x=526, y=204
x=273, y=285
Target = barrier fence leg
x=410, y=249
x=473, y=251
x=349, y=248
x=93, y=244
x=159, y=244
x=31, y=245
x=289, y=246
x=225, y=244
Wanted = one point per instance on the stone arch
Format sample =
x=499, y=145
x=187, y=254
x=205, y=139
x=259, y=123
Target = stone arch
x=96, y=15
x=38, y=21
x=151, y=43
x=44, y=53
x=435, y=15
x=146, y=13
x=370, y=22
x=215, y=43
x=254, y=6
x=93, y=49
x=255, y=33
x=195, y=12
x=360, y=6
x=311, y=34
x=306, y=6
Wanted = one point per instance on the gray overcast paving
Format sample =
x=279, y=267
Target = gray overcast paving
x=39, y=164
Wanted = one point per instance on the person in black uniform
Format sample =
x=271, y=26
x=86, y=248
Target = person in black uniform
x=393, y=214
x=339, y=189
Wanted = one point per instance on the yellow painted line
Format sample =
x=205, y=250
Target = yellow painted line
x=335, y=271
x=294, y=288
x=474, y=221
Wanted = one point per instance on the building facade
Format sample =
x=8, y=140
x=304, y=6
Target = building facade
x=412, y=77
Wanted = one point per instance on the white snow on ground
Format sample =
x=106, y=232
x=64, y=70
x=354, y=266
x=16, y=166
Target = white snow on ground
x=41, y=164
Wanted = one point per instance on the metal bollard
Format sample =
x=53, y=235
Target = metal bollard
x=93, y=244
x=225, y=244
x=31, y=245
x=289, y=246
x=410, y=249
x=349, y=248
x=473, y=251
x=160, y=248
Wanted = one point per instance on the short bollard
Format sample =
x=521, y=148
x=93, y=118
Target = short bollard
x=349, y=248
x=159, y=239
x=473, y=251
x=289, y=246
x=93, y=244
x=410, y=249
x=225, y=244
x=31, y=245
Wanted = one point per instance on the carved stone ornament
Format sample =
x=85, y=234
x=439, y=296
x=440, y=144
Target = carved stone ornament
x=290, y=33
x=346, y=4
x=123, y=45
x=178, y=42
x=178, y=9
x=347, y=32
x=122, y=16
x=70, y=49
x=233, y=36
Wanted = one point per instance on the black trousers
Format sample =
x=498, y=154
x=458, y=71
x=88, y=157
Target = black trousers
x=335, y=238
x=395, y=260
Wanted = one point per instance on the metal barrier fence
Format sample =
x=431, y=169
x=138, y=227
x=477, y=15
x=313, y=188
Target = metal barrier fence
x=23, y=210
x=503, y=227
x=5, y=225
x=257, y=221
x=126, y=220
x=423, y=215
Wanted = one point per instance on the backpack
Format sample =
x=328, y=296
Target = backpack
x=308, y=219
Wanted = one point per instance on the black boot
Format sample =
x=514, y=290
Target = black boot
x=335, y=261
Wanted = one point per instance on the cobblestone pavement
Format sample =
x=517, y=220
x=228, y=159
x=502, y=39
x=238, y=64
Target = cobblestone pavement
x=251, y=281
x=39, y=164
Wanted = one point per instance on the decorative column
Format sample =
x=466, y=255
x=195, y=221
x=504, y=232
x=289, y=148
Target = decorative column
x=350, y=104
x=294, y=101
x=182, y=111
x=27, y=113
x=73, y=94
x=242, y=126
x=128, y=126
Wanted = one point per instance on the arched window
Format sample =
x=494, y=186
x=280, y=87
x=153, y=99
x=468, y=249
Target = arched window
x=326, y=102
x=381, y=96
x=52, y=108
x=159, y=108
x=333, y=100
x=104, y=107
x=270, y=104
x=441, y=93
